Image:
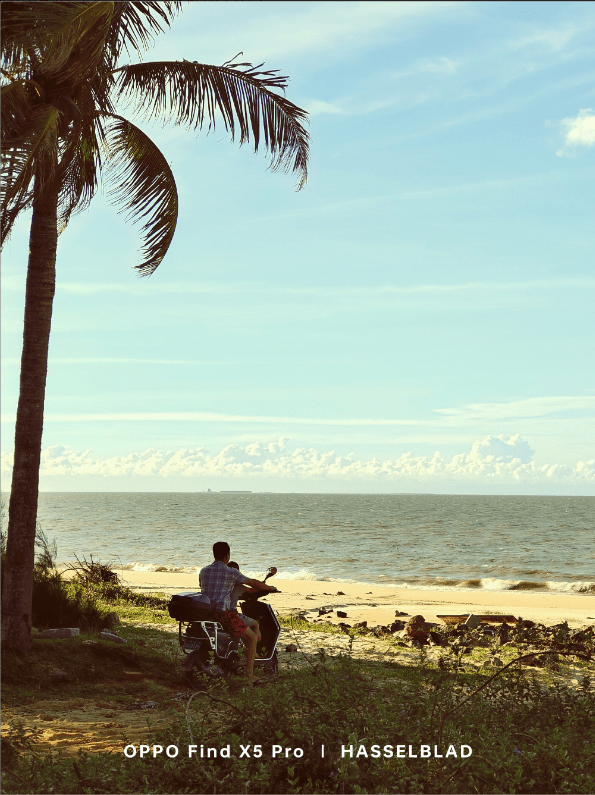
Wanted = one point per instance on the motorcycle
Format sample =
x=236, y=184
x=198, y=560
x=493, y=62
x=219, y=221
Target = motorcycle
x=212, y=652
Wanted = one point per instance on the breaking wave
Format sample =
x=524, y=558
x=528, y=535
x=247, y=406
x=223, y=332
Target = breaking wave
x=421, y=584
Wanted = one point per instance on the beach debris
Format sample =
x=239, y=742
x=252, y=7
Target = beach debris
x=112, y=637
x=341, y=614
x=58, y=675
x=490, y=618
x=291, y=647
x=61, y=632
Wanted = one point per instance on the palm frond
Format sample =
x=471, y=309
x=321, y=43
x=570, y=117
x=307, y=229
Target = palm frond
x=55, y=37
x=134, y=25
x=16, y=108
x=143, y=185
x=25, y=157
x=189, y=93
x=79, y=166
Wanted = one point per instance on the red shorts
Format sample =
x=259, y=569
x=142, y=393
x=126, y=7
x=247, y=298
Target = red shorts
x=232, y=623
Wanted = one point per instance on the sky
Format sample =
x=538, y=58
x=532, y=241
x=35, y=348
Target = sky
x=418, y=319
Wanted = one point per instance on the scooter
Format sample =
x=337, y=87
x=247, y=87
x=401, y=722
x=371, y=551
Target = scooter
x=211, y=651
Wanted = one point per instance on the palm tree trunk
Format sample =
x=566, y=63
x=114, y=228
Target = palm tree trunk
x=17, y=586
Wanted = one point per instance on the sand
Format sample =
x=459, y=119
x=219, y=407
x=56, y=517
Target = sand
x=377, y=604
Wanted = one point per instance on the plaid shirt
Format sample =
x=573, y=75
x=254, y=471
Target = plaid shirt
x=217, y=582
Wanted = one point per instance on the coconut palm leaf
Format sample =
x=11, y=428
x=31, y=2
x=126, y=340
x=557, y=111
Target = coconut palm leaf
x=25, y=157
x=15, y=108
x=188, y=93
x=79, y=169
x=143, y=185
x=134, y=24
x=56, y=37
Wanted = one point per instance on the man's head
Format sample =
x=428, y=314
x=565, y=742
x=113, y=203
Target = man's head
x=233, y=565
x=221, y=551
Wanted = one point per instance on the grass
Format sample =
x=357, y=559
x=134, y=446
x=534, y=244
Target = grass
x=525, y=737
x=529, y=733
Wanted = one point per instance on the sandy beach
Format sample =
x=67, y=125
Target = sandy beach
x=377, y=604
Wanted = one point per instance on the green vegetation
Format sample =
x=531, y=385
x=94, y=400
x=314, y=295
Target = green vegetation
x=529, y=733
x=525, y=738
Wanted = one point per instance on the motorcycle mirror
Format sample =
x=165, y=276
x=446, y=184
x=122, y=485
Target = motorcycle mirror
x=270, y=572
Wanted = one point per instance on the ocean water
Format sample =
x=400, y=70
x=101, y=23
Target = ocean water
x=415, y=541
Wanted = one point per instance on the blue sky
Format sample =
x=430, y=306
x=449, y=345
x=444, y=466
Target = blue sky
x=418, y=318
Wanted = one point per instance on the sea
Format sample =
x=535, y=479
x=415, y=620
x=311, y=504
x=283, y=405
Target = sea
x=444, y=542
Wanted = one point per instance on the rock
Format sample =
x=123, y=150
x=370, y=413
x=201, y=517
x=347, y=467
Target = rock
x=309, y=598
x=339, y=593
x=105, y=635
x=399, y=613
x=344, y=626
x=112, y=620
x=418, y=628
x=436, y=638
x=62, y=632
x=291, y=647
x=58, y=675
x=397, y=626
x=341, y=614
x=324, y=610
x=497, y=662
x=472, y=622
x=361, y=625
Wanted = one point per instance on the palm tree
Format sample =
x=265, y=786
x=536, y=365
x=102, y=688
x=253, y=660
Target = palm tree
x=62, y=84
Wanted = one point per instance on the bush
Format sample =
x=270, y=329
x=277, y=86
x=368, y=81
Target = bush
x=59, y=603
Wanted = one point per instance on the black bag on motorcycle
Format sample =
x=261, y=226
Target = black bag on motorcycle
x=191, y=607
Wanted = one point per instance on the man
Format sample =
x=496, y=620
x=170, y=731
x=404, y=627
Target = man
x=217, y=581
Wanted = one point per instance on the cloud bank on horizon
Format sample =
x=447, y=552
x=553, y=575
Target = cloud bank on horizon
x=492, y=460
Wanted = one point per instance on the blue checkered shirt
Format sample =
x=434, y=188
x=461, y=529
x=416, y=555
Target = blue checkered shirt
x=217, y=582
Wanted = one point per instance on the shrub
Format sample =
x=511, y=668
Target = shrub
x=59, y=603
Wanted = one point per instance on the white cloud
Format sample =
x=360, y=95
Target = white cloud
x=276, y=291
x=316, y=107
x=301, y=29
x=578, y=131
x=530, y=408
x=492, y=460
x=521, y=409
x=440, y=66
